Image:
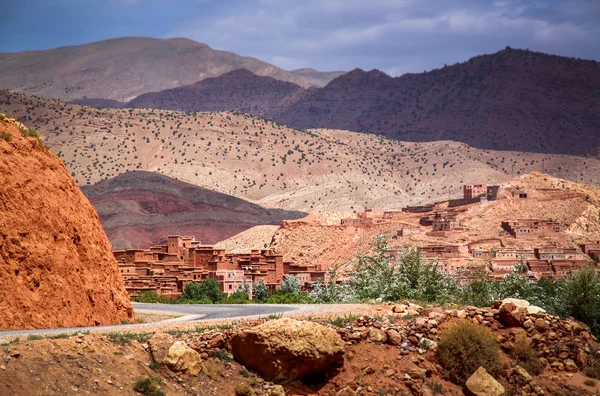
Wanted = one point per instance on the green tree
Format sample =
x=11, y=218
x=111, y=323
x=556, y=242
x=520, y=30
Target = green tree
x=206, y=289
x=261, y=291
x=290, y=284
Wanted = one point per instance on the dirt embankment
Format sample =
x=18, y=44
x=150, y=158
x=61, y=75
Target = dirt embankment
x=56, y=265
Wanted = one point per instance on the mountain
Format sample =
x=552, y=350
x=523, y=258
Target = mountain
x=139, y=209
x=57, y=266
x=510, y=100
x=123, y=68
x=238, y=90
x=317, y=78
x=273, y=165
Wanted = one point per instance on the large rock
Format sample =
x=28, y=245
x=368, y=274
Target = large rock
x=480, y=383
x=183, y=358
x=57, y=266
x=287, y=348
x=510, y=315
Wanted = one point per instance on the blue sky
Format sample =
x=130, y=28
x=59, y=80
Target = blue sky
x=396, y=36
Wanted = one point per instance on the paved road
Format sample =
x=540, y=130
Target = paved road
x=189, y=312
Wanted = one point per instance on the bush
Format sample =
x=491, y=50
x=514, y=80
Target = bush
x=280, y=297
x=290, y=284
x=148, y=386
x=207, y=289
x=465, y=347
x=243, y=390
x=5, y=136
x=152, y=297
x=525, y=356
x=27, y=132
x=237, y=297
x=261, y=291
x=580, y=298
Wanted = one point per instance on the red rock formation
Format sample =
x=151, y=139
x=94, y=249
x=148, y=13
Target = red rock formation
x=56, y=265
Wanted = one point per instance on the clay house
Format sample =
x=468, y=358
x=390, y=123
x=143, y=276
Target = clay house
x=550, y=253
x=445, y=222
x=168, y=269
x=407, y=230
x=351, y=221
x=588, y=247
x=471, y=191
x=541, y=269
x=531, y=227
x=440, y=251
x=492, y=193
x=418, y=209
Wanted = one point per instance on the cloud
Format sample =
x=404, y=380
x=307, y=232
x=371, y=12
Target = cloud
x=397, y=36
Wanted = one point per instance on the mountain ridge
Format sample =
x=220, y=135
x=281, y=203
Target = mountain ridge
x=124, y=68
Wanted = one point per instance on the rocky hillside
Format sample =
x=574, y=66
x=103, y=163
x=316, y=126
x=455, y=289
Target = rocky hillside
x=139, y=209
x=239, y=90
x=270, y=164
x=575, y=206
x=511, y=348
x=57, y=269
x=124, y=68
x=510, y=100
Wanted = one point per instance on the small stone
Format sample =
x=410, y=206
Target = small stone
x=480, y=383
x=570, y=366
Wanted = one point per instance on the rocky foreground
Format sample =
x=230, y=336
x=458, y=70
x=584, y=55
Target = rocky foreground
x=395, y=352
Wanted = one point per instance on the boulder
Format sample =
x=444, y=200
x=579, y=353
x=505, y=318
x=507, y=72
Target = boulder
x=159, y=346
x=480, y=383
x=394, y=338
x=516, y=301
x=288, y=348
x=182, y=358
x=377, y=335
x=510, y=315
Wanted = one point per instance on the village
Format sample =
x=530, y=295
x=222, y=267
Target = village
x=167, y=269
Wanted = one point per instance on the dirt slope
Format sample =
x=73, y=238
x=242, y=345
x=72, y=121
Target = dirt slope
x=124, y=68
x=273, y=165
x=510, y=100
x=139, y=209
x=56, y=265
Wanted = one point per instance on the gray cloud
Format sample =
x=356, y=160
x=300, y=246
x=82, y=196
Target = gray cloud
x=396, y=36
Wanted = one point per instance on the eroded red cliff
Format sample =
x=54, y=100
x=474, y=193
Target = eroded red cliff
x=56, y=265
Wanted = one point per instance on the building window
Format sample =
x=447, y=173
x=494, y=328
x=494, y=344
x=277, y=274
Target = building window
x=230, y=287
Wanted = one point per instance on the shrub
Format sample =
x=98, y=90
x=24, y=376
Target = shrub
x=244, y=390
x=290, y=284
x=237, y=297
x=126, y=338
x=580, y=298
x=148, y=386
x=465, y=347
x=151, y=297
x=27, y=132
x=523, y=353
x=224, y=356
x=5, y=136
x=589, y=382
x=208, y=288
x=261, y=291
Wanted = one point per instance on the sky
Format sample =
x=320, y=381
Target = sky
x=395, y=36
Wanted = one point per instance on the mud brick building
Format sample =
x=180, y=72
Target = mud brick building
x=168, y=269
x=531, y=227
